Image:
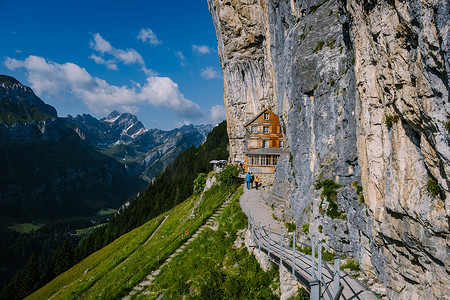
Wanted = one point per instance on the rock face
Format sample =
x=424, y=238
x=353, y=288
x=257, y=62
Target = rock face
x=248, y=81
x=361, y=88
x=402, y=72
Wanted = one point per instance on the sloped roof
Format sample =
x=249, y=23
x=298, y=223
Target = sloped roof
x=257, y=116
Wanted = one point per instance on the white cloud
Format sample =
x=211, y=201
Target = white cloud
x=127, y=57
x=149, y=72
x=162, y=91
x=181, y=124
x=100, y=44
x=217, y=113
x=209, y=73
x=13, y=64
x=202, y=49
x=148, y=36
x=181, y=57
x=18, y=51
x=99, y=60
x=51, y=78
x=55, y=79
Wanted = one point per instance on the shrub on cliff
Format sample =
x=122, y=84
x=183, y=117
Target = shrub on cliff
x=433, y=188
x=329, y=192
x=229, y=175
x=199, y=183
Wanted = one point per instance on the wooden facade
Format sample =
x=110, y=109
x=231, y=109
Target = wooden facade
x=264, y=142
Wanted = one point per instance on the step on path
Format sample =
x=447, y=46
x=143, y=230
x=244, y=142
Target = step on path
x=210, y=223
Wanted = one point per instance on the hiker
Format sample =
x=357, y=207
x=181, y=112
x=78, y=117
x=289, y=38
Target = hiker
x=247, y=179
x=256, y=181
x=252, y=178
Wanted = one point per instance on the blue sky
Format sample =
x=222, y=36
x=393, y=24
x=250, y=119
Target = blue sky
x=155, y=59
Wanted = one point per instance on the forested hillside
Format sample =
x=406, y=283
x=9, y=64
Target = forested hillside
x=171, y=187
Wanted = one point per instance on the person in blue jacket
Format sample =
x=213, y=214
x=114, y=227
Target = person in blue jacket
x=247, y=179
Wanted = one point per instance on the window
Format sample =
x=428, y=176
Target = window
x=263, y=160
x=266, y=129
x=254, y=160
x=254, y=129
x=275, y=160
x=266, y=144
x=281, y=144
x=266, y=116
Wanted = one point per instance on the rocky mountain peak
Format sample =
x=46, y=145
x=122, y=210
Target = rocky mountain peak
x=125, y=125
x=86, y=119
x=17, y=94
x=114, y=114
x=8, y=81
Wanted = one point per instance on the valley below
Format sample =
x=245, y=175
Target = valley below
x=63, y=176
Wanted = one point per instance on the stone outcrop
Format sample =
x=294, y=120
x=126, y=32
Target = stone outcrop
x=361, y=88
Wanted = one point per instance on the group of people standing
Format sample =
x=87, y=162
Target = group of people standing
x=250, y=179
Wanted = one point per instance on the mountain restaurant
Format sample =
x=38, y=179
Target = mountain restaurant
x=264, y=143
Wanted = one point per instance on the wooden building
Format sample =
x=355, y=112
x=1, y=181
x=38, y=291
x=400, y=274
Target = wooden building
x=264, y=143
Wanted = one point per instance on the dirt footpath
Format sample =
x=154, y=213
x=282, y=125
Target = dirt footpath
x=254, y=202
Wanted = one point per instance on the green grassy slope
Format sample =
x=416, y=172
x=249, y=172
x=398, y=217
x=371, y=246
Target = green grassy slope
x=169, y=188
x=211, y=268
x=132, y=256
x=10, y=114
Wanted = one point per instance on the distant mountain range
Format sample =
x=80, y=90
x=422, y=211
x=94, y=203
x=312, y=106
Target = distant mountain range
x=145, y=152
x=54, y=167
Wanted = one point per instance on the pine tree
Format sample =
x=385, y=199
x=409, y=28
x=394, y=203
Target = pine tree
x=24, y=282
x=63, y=258
x=31, y=275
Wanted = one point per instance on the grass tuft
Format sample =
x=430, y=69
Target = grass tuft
x=305, y=228
x=447, y=123
x=319, y=47
x=433, y=188
x=290, y=226
x=331, y=43
x=351, y=264
x=329, y=192
x=389, y=120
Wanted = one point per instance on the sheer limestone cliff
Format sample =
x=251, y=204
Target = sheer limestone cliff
x=361, y=88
